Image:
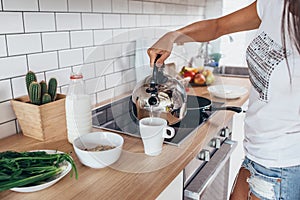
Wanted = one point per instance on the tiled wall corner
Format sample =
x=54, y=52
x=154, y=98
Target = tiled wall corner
x=96, y=37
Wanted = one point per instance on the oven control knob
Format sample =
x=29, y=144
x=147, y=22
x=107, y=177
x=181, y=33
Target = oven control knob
x=216, y=143
x=224, y=132
x=204, y=155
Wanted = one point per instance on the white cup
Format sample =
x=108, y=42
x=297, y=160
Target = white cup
x=153, y=130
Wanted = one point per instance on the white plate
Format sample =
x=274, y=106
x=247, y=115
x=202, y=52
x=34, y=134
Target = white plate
x=66, y=166
x=227, y=91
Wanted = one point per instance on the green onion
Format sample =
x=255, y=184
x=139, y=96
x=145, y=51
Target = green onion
x=19, y=169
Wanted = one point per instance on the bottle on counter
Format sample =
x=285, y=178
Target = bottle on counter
x=78, y=108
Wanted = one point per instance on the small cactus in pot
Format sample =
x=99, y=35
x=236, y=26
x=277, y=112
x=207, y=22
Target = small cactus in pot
x=40, y=93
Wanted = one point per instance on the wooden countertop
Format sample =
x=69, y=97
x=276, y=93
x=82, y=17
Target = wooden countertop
x=134, y=175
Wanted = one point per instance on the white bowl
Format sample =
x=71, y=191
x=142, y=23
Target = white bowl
x=98, y=159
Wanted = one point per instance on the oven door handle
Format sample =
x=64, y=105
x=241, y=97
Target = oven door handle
x=210, y=170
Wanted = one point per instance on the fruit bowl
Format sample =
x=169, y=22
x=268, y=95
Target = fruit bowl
x=198, y=76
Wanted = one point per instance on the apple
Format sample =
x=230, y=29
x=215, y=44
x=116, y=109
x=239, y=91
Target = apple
x=190, y=74
x=199, y=79
x=207, y=72
x=210, y=79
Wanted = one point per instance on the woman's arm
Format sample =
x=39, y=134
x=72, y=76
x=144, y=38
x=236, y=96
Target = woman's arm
x=206, y=30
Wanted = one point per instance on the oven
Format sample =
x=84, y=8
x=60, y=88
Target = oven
x=206, y=177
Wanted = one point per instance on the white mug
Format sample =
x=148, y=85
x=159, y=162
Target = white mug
x=153, y=130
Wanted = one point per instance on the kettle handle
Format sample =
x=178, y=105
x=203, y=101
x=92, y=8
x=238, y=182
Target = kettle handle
x=155, y=71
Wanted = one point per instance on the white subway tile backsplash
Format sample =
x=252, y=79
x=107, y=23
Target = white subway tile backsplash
x=43, y=61
x=161, y=8
x=102, y=37
x=154, y=20
x=93, y=54
x=142, y=20
x=102, y=5
x=24, y=43
x=95, y=85
x=7, y=129
x=5, y=90
x=68, y=21
x=121, y=64
x=128, y=21
x=119, y=6
x=123, y=89
x=120, y=35
x=70, y=57
x=148, y=7
x=104, y=67
x=113, y=51
x=113, y=80
x=135, y=6
x=79, y=6
x=92, y=21
x=165, y=20
x=7, y=113
x=128, y=76
x=87, y=70
x=12, y=66
x=64, y=89
x=112, y=21
x=3, y=51
x=128, y=48
x=53, y=5
x=55, y=40
x=81, y=39
x=19, y=86
x=39, y=22
x=11, y=22
x=24, y=5
x=93, y=99
x=105, y=95
x=62, y=76
x=135, y=34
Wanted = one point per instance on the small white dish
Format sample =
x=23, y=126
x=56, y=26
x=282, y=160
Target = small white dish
x=227, y=91
x=98, y=159
x=66, y=166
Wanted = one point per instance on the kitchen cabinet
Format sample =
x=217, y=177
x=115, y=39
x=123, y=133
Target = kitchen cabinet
x=174, y=191
x=238, y=154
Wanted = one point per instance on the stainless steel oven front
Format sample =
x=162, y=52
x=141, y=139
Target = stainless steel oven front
x=206, y=176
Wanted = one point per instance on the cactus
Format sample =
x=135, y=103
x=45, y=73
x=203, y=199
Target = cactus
x=46, y=98
x=35, y=93
x=30, y=77
x=39, y=93
x=52, y=87
x=44, y=88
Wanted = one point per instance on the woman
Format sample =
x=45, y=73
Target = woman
x=271, y=169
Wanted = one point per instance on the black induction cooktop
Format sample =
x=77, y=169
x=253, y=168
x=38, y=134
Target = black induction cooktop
x=118, y=116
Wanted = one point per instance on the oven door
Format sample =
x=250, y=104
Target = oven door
x=211, y=182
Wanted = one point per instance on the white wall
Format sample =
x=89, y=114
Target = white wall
x=96, y=37
x=234, y=52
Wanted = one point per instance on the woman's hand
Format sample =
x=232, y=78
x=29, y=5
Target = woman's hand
x=163, y=47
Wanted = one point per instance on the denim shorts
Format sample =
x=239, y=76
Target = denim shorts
x=273, y=183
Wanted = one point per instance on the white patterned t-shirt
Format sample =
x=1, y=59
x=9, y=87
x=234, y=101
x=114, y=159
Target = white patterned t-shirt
x=272, y=124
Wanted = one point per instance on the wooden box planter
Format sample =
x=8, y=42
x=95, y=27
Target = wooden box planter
x=41, y=122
